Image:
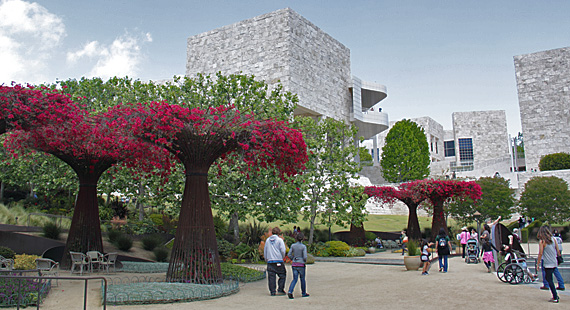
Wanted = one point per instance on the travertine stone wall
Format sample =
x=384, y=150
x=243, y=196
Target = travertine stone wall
x=280, y=46
x=488, y=129
x=543, y=83
x=434, y=136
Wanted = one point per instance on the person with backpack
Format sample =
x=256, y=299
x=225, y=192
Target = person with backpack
x=443, y=249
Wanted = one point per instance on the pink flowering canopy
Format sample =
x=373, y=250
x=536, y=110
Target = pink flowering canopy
x=26, y=107
x=434, y=192
x=200, y=136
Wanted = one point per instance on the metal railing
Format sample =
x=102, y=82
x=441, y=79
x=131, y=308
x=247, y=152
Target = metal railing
x=40, y=287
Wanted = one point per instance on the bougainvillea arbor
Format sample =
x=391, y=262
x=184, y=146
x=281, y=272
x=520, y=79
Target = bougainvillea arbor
x=438, y=192
x=27, y=107
x=198, y=137
x=434, y=192
x=88, y=145
x=405, y=193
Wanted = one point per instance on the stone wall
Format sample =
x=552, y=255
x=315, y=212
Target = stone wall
x=488, y=129
x=543, y=83
x=434, y=136
x=523, y=177
x=280, y=46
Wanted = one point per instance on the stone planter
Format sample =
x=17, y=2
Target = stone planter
x=412, y=262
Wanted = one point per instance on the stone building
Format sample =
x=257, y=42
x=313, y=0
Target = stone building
x=478, y=145
x=282, y=46
x=543, y=84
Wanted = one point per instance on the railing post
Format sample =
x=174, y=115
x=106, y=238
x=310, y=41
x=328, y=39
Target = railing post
x=85, y=296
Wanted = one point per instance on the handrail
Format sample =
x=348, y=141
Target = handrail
x=86, y=279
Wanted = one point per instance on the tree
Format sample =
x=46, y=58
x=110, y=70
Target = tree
x=330, y=164
x=546, y=199
x=406, y=193
x=440, y=192
x=497, y=199
x=90, y=145
x=205, y=124
x=260, y=194
x=405, y=155
x=556, y=161
x=349, y=209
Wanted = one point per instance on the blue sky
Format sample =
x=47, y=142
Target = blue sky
x=435, y=57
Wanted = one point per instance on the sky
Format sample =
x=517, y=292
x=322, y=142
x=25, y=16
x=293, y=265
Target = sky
x=435, y=57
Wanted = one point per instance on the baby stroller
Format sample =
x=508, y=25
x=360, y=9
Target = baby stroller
x=472, y=251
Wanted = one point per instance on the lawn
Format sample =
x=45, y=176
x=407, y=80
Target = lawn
x=374, y=223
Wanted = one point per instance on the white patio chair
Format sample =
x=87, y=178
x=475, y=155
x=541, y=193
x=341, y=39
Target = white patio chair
x=95, y=259
x=78, y=259
x=47, y=267
x=109, y=260
x=6, y=263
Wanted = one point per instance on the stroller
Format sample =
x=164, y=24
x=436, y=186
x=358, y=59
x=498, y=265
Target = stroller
x=472, y=251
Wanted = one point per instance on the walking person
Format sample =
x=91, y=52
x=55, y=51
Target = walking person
x=463, y=237
x=298, y=256
x=425, y=256
x=547, y=253
x=557, y=275
x=443, y=249
x=487, y=253
x=274, y=253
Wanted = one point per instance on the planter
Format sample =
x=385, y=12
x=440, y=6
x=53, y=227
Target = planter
x=412, y=262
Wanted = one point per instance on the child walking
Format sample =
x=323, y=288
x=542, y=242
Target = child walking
x=298, y=256
x=425, y=257
x=487, y=253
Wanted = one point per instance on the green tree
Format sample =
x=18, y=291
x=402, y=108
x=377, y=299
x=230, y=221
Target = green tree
x=497, y=199
x=261, y=194
x=405, y=155
x=546, y=199
x=331, y=164
x=556, y=161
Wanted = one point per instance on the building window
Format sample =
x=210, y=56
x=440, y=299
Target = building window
x=465, y=151
x=449, y=148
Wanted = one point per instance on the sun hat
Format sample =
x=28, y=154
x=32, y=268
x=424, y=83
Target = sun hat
x=463, y=228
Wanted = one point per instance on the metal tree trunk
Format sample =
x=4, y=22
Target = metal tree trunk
x=414, y=232
x=438, y=220
x=85, y=231
x=194, y=256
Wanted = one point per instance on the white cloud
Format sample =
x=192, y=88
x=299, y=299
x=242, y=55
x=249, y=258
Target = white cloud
x=28, y=34
x=120, y=58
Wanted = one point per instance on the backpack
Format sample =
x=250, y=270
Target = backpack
x=442, y=243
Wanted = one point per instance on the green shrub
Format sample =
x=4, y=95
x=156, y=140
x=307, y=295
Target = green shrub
x=220, y=226
x=556, y=161
x=354, y=252
x=248, y=252
x=160, y=254
x=225, y=248
x=412, y=248
x=113, y=235
x=370, y=236
x=151, y=242
x=156, y=218
x=310, y=259
x=289, y=240
x=241, y=273
x=51, y=231
x=337, y=248
x=25, y=262
x=7, y=252
x=124, y=243
x=252, y=233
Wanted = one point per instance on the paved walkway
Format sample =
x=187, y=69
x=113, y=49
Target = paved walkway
x=346, y=285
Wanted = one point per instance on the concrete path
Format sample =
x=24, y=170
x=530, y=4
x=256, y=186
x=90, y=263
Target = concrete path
x=347, y=285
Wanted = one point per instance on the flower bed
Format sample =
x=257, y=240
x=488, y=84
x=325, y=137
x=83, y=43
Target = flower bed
x=26, y=290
